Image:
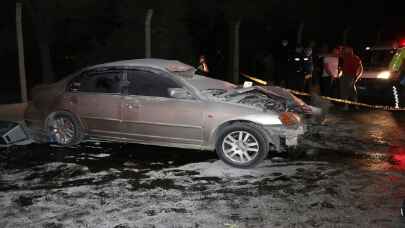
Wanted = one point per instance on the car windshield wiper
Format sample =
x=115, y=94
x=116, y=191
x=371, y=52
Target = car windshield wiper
x=236, y=92
x=214, y=92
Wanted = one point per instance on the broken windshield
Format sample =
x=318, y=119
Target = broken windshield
x=203, y=83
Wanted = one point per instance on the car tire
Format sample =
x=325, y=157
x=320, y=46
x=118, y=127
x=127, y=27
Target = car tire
x=242, y=145
x=64, y=129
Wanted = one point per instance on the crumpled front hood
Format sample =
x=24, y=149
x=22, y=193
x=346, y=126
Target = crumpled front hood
x=268, y=98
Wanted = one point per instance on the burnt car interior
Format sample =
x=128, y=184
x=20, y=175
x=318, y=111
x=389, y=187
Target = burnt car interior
x=136, y=82
x=147, y=83
x=99, y=82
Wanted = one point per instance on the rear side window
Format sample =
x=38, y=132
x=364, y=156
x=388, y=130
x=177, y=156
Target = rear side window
x=146, y=83
x=97, y=82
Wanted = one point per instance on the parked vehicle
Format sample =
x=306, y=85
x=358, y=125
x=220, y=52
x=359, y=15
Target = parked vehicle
x=167, y=103
x=381, y=79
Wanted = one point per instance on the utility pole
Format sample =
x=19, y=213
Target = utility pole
x=41, y=23
x=148, y=42
x=20, y=43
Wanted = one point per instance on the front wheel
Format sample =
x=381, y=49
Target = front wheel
x=242, y=145
x=64, y=129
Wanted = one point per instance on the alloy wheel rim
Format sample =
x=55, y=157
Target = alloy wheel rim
x=240, y=146
x=62, y=130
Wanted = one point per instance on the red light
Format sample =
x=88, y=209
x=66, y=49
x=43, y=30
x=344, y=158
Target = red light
x=402, y=43
x=398, y=156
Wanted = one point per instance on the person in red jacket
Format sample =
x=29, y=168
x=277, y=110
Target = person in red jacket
x=352, y=69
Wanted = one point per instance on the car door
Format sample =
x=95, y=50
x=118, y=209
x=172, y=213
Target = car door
x=99, y=101
x=151, y=115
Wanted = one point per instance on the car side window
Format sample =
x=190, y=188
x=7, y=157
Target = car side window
x=146, y=83
x=97, y=82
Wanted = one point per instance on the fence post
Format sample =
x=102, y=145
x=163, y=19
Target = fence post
x=148, y=42
x=299, y=33
x=20, y=44
x=235, y=52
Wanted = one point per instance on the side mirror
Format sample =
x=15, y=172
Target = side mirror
x=74, y=87
x=180, y=93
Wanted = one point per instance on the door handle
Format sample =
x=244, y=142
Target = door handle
x=131, y=106
x=131, y=103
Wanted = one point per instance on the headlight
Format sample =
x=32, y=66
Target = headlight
x=289, y=119
x=384, y=75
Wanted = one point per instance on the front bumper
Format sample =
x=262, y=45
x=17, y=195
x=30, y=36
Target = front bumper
x=291, y=136
x=379, y=91
x=285, y=137
x=375, y=87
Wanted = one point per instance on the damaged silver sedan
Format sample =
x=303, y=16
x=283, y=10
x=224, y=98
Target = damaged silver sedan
x=167, y=103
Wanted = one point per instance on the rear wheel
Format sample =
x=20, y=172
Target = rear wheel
x=242, y=145
x=64, y=129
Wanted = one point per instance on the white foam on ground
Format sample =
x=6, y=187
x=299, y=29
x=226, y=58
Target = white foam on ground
x=222, y=170
x=100, y=155
x=261, y=201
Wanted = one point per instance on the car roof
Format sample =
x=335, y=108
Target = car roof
x=161, y=64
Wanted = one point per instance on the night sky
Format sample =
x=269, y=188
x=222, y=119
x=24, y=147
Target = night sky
x=86, y=32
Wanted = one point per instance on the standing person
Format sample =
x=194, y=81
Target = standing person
x=296, y=70
x=217, y=67
x=203, y=65
x=308, y=67
x=397, y=67
x=317, y=59
x=330, y=72
x=352, y=69
x=282, y=53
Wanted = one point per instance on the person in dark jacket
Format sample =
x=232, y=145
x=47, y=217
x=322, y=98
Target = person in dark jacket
x=298, y=69
x=281, y=60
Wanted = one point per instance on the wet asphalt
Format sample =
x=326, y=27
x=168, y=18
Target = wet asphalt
x=368, y=143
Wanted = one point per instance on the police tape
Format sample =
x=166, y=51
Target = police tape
x=355, y=103
x=337, y=100
x=261, y=82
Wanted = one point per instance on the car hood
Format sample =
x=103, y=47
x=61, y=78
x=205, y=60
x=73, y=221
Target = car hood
x=267, y=99
x=372, y=72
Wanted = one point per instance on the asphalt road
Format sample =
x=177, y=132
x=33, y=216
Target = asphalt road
x=348, y=172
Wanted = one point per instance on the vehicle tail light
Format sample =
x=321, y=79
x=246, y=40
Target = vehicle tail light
x=289, y=119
